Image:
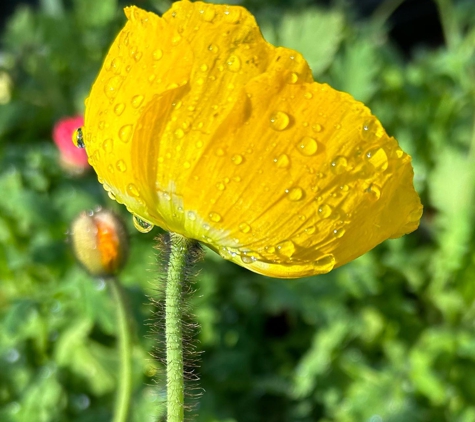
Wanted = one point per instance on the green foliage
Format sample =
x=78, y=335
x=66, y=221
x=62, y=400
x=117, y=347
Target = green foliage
x=388, y=337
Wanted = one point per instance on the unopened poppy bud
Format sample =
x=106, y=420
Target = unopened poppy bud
x=100, y=242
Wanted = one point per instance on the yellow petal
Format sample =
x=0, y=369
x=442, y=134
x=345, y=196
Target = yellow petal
x=198, y=125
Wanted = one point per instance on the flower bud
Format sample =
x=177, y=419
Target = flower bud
x=100, y=242
x=72, y=159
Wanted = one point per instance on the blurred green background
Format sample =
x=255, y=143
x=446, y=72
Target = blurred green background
x=389, y=337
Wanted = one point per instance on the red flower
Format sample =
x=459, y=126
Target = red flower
x=72, y=159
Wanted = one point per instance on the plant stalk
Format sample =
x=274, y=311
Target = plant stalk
x=124, y=391
x=179, y=248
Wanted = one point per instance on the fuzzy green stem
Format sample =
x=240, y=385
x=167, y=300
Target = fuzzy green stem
x=122, y=404
x=179, y=247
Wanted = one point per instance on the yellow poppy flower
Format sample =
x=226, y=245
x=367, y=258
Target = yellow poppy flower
x=200, y=126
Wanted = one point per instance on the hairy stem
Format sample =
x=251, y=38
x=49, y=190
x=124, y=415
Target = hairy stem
x=179, y=250
x=122, y=404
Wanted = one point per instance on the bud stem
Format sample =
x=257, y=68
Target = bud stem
x=122, y=404
x=179, y=250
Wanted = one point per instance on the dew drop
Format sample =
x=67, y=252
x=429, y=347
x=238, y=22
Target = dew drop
x=121, y=166
x=137, y=101
x=286, y=248
x=116, y=65
x=137, y=56
x=324, y=264
x=310, y=230
x=282, y=161
x=317, y=128
x=308, y=95
x=338, y=233
x=270, y=249
x=399, y=152
x=374, y=191
x=132, y=190
x=179, y=133
x=378, y=159
x=292, y=78
x=157, y=54
x=237, y=159
x=214, y=216
x=112, y=85
x=325, y=210
x=339, y=165
x=141, y=225
x=213, y=48
x=125, y=133
x=234, y=63
x=111, y=196
x=244, y=227
x=279, y=120
x=220, y=186
x=119, y=109
x=107, y=145
x=344, y=188
x=191, y=215
x=295, y=194
x=219, y=152
x=307, y=146
x=204, y=67
x=232, y=15
x=248, y=259
x=208, y=14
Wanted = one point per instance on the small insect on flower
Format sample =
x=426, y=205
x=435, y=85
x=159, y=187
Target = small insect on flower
x=200, y=126
x=73, y=160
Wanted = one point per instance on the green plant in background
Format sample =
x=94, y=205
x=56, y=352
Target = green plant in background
x=388, y=337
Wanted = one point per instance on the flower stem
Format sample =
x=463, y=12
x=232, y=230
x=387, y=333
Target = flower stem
x=122, y=404
x=179, y=248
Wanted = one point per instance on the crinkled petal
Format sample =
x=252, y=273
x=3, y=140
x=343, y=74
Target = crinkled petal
x=198, y=125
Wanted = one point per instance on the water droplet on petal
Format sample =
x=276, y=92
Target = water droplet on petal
x=378, y=159
x=132, y=190
x=125, y=132
x=213, y=48
x=344, y=188
x=143, y=226
x=308, y=95
x=157, y=54
x=282, y=161
x=179, y=133
x=219, y=152
x=208, y=14
x=191, y=215
x=107, y=145
x=116, y=65
x=248, y=259
x=220, y=186
x=119, y=109
x=237, y=159
x=317, y=128
x=339, y=165
x=137, y=100
x=121, y=166
x=204, y=67
x=214, y=216
x=286, y=248
x=295, y=194
x=279, y=120
x=244, y=227
x=338, y=233
x=232, y=15
x=292, y=78
x=374, y=191
x=234, y=63
x=112, y=85
x=307, y=146
x=324, y=264
x=325, y=210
